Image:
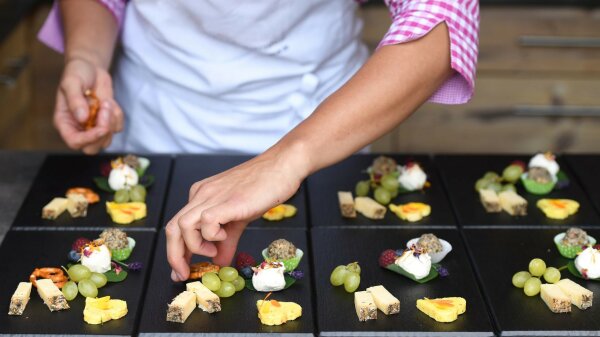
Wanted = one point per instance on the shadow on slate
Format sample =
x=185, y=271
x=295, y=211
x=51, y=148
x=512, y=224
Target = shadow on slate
x=192, y=168
x=23, y=251
x=461, y=172
x=499, y=254
x=335, y=307
x=587, y=167
x=324, y=185
x=239, y=315
x=61, y=172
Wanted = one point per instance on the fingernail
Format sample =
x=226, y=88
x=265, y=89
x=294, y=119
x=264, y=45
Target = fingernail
x=80, y=114
x=174, y=276
x=106, y=105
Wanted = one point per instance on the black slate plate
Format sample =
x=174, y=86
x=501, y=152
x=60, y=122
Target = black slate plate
x=586, y=167
x=498, y=254
x=335, y=307
x=22, y=251
x=61, y=172
x=239, y=313
x=324, y=185
x=461, y=172
x=192, y=168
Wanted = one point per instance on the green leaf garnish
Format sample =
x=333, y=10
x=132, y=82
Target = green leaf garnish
x=102, y=184
x=399, y=270
x=112, y=276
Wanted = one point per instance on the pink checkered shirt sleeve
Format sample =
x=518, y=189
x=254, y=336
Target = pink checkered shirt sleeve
x=412, y=19
x=52, y=34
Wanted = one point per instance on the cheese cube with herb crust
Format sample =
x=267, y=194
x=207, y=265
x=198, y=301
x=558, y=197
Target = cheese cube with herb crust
x=365, y=306
x=346, y=204
x=384, y=301
x=580, y=296
x=77, y=205
x=181, y=307
x=556, y=300
x=52, y=296
x=54, y=208
x=369, y=208
x=206, y=299
x=20, y=298
x=490, y=201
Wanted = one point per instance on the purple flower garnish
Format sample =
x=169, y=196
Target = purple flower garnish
x=135, y=266
x=399, y=252
x=442, y=271
x=74, y=256
x=297, y=274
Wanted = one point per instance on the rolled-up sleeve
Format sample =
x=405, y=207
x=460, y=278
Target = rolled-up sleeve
x=51, y=33
x=412, y=19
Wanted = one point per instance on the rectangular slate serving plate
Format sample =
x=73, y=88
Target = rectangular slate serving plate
x=324, y=185
x=61, y=172
x=23, y=251
x=192, y=168
x=500, y=253
x=335, y=307
x=586, y=167
x=239, y=313
x=461, y=172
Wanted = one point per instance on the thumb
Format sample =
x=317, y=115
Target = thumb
x=226, y=249
x=73, y=90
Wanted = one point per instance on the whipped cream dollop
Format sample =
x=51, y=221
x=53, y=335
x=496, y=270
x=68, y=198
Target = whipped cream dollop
x=122, y=177
x=269, y=277
x=97, y=259
x=546, y=161
x=412, y=177
x=418, y=264
x=588, y=263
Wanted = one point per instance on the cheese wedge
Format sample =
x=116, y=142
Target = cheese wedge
x=580, y=296
x=443, y=310
x=181, y=307
x=54, y=208
x=206, y=299
x=20, y=298
x=365, y=306
x=384, y=301
x=103, y=309
x=274, y=312
x=490, y=201
x=77, y=205
x=556, y=300
x=346, y=204
x=369, y=208
x=513, y=203
x=51, y=295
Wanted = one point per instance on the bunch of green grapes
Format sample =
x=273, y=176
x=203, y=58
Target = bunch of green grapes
x=348, y=275
x=136, y=193
x=225, y=283
x=384, y=193
x=83, y=281
x=493, y=181
x=530, y=280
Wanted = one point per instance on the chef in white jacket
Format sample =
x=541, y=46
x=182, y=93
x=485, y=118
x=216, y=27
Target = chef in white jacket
x=287, y=80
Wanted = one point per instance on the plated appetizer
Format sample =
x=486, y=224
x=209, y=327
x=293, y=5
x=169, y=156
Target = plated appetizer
x=432, y=245
x=367, y=302
x=572, y=242
x=542, y=174
x=183, y=305
x=588, y=263
x=443, y=310
x=273, y=312
x=75, y=202
x=558, y=208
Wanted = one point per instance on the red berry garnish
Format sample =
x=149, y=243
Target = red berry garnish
x=79, y=244
x=244, y=260
x=519, y=163
x=387, y=257
x=105, y=169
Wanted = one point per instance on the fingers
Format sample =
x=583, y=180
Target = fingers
x=177, y=253
x=226, y=249
x=73, y=91
x=103, y=127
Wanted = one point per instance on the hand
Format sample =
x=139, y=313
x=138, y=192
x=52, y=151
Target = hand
x=220, y=208
x=72, y=108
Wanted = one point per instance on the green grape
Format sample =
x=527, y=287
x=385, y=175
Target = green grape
x=211, y=281
x=87, y=288
x=351, y=282
x=482, y=184
x=353, y=267
x=70, y=291
x=122, y=196
x=519, y=278
x=98, y=279
x=537, y=267
x=508, y=187
x=495, y=187
x=492, y=176
x=138, y=193
x=228, y=274
x=512, y=173
x=239, y=283
x=389, y=182
x=227, y=289
x=338, y=276
x=552, y=275
x=532, y=286
x=362, y=188
x=78, y=272
x=394, y=193
x=382, y=196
